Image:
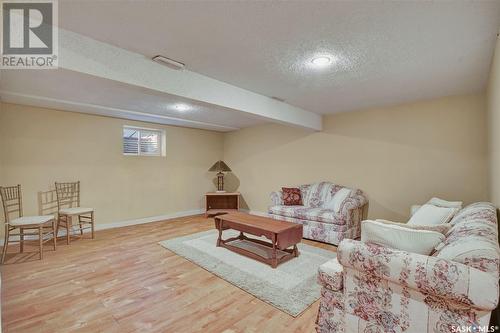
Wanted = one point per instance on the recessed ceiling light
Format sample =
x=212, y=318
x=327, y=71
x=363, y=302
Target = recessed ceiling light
x=321, y=61
x=181, y=107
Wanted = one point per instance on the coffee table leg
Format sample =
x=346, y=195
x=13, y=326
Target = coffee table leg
x=295, y=251
x=274, y=259
x=220, y=234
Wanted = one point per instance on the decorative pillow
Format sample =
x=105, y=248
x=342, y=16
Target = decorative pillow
x=292, y=196
x=400, y=238
x=441, y=228
x=432, y=215
x=444, y=203
x=414, y=208
x=338, y=198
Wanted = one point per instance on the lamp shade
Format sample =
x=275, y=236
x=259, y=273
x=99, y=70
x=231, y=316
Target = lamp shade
x=220, y=166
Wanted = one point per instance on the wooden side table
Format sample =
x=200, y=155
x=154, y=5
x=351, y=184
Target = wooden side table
x=217, y=203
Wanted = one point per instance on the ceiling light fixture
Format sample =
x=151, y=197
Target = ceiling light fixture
x=169, y=62
x=181, y=107
x=321, y=61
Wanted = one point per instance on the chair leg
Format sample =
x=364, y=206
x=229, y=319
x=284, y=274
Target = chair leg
x=6, y=242
x=92, y=223
x=54, y=233
x=81, y=225
x=40, y=241
x=21, y=240
x=68, y=219
x=58, y=221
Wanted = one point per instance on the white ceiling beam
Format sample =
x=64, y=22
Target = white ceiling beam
x=86, y=55
x=59, y=104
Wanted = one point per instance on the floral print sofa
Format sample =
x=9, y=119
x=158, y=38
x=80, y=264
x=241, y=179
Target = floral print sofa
x=373, y=289
x=319, y=223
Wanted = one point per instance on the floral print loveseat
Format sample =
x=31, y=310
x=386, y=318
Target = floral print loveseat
x=320, y=223
x=373, y=289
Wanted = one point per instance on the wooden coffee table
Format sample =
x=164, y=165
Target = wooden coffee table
x=282, y=236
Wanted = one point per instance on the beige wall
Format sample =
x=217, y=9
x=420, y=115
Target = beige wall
x=493, y=99
x=399, y=155
x=39, y=146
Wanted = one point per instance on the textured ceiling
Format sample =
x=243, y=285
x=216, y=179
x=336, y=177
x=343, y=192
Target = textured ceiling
x=387, y=52
x=80, y=92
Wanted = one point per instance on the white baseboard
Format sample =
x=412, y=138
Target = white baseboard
x=125, y=223
x=255, y=212
x=148, y=219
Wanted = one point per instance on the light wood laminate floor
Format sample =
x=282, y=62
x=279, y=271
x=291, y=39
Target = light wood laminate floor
x=123, y=281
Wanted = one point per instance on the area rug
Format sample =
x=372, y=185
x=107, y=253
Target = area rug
x=291, y=287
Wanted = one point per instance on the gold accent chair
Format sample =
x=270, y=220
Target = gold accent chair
x=68, y=206
x=13, y=205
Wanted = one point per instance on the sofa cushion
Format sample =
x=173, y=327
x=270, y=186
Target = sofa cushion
x=288, y=211
x=322, y=215
x=337, y=199
x=291, y=196
x=316, y=194
x=400, y=238
x=430, y=214
x=310, y=214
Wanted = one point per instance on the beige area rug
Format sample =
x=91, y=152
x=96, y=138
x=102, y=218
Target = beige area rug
x=291, y=287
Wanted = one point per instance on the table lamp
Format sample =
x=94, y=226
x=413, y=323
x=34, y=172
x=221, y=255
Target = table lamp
x=220, y=167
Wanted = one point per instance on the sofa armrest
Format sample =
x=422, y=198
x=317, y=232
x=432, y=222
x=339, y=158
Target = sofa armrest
x=445, y=279
x=331, y=275
x=356, y=201
x=354, y=209
x=277, y=198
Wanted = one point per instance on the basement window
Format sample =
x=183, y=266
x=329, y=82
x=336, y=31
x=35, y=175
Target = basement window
x=138, y=141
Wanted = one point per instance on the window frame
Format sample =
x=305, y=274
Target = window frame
x=162, y=142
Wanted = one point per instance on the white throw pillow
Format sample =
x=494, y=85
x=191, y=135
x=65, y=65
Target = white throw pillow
x=400, y=238
x=444, y=203
x=337, y=199
x=441, y=228
x=430, y=214
x=414, y=208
